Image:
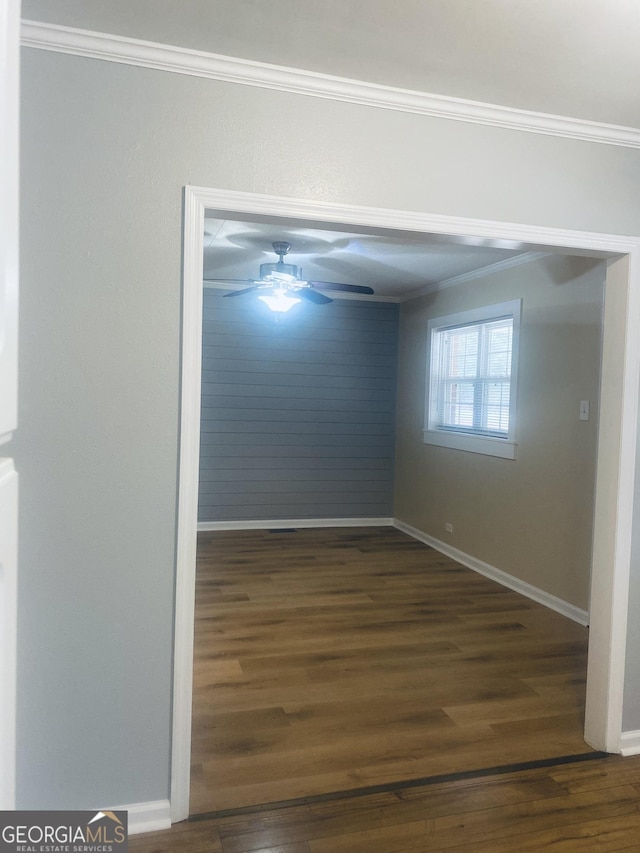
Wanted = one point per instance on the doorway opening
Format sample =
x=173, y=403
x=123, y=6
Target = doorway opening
x=615, y=474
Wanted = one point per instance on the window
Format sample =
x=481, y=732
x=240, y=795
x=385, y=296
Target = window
x=472, y=380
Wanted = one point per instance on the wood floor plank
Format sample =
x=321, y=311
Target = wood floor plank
x=196, y=838
x=589, y=807
x=332, y=659
x=607, y=835
x=600, y=774
x=486, y=828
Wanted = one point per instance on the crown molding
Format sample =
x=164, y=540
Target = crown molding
x=161, y=57
x=472, y=275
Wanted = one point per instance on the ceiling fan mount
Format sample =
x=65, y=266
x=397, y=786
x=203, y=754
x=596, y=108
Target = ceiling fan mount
x=282, y=284
x=281, y=248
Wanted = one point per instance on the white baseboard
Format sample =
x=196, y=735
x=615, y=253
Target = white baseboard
x=503, y=578
x=147, y=817
x=630, y=743
x=279, y=523
x=524, y=588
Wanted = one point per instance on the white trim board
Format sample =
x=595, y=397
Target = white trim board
x=630, y=743
x=197, y=63
x=153, y=816
x=301, y=523
x=9, y=285
x=187, y=522
x=229, y=202
x=503, y=578
x=620, y=383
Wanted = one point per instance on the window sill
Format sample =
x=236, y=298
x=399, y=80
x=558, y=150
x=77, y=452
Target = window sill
x=500, y=447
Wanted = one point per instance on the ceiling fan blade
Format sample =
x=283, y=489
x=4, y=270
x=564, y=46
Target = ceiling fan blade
x=243, y=291
x=336, y=285
x=312, y=296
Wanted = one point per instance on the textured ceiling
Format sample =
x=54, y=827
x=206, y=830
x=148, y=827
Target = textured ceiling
x=394, y=265
x=577, y=58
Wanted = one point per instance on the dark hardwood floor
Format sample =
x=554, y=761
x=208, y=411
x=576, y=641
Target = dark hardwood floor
x=591, y=807
x=339, y=659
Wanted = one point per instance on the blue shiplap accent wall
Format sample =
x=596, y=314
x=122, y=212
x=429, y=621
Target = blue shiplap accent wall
x=297, y=409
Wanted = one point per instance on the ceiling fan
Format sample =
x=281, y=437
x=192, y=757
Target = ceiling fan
x=282, y=284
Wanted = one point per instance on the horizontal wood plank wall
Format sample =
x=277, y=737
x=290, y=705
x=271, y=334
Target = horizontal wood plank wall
x=297, y=410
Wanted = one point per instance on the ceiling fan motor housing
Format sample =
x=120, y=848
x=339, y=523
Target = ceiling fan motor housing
x=287, y=269
x=281, y=248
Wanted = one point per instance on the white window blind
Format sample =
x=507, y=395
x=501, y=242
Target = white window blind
x=471, y=387
x=475, y=377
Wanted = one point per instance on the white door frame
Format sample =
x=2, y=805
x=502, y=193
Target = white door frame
x=616, y=449
x=9, y=174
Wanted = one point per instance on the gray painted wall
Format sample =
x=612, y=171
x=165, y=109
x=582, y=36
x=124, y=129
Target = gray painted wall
x=531, y=517
x=297, y=416
x=106, y=150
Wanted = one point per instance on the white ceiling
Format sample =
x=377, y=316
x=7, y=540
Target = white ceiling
x=577, y=58
x=395, y=265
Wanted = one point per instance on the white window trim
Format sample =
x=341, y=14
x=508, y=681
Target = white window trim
x=504, y=448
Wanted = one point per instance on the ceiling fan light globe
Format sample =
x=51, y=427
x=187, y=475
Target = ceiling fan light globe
x=281, y=279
